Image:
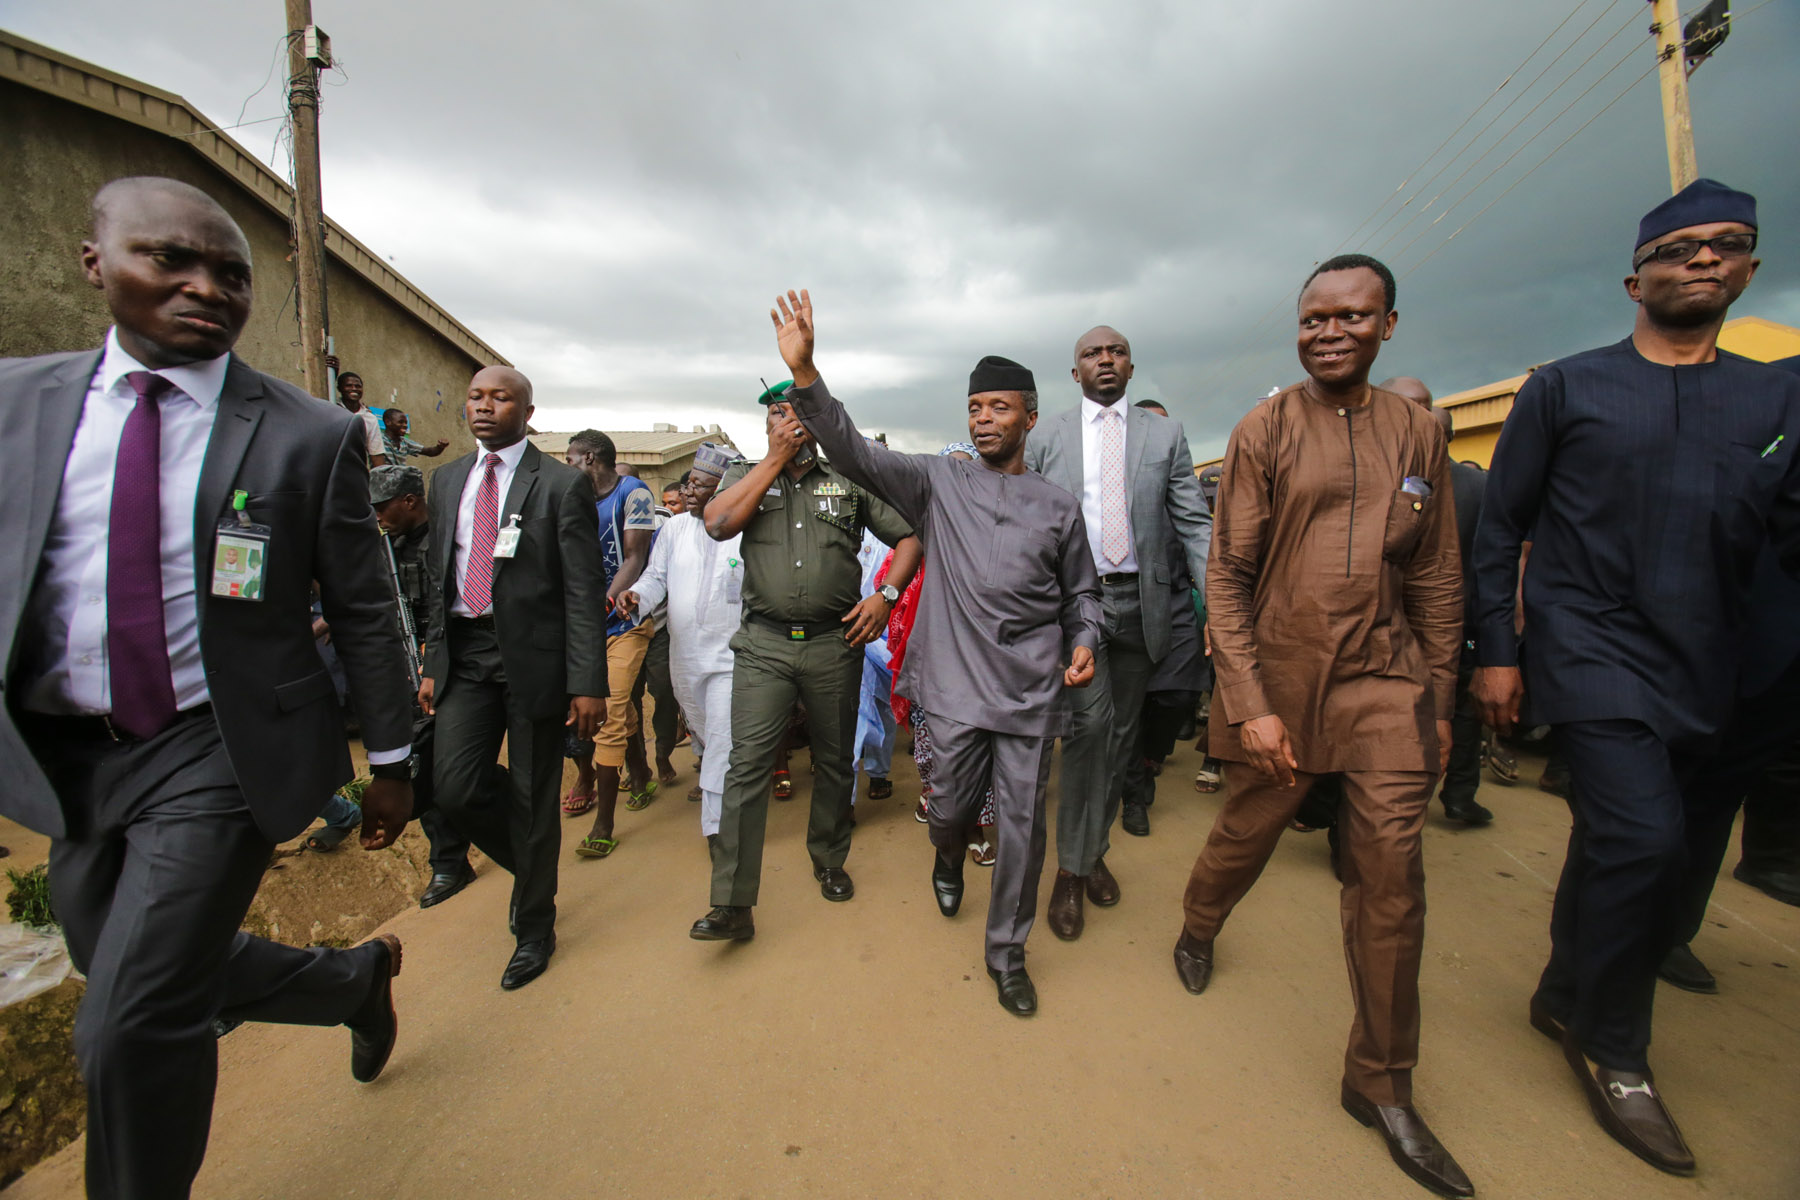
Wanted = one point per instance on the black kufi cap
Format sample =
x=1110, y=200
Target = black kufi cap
x=1702, y=202
x=996, y=374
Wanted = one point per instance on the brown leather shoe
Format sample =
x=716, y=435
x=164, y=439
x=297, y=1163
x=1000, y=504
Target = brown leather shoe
x=1102, y=888
x=1414, y=1147
x=1628, y=1106
x=1193, y=962
x=1065, y=918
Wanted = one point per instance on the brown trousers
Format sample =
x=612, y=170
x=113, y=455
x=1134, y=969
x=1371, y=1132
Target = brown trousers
x=1383, y=904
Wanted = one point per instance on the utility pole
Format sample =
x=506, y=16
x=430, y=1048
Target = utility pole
x=1678, y=121
x=308, y=50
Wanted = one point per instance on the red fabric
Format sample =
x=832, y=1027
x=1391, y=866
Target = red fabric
x=900, y=626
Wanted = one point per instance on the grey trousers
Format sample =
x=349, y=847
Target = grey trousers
x=519, y=827
x=967, y=760
x=1107, y=714
x=159, y=867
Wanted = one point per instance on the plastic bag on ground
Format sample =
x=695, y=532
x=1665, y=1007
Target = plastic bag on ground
x=31, y=961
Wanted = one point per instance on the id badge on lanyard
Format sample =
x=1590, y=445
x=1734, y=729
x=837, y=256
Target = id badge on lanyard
x=506, y=542
x=240, y=554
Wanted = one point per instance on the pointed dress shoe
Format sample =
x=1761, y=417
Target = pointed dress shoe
x=1681, y=968
x=445, y=885
x=1017, y=995
x=1629, y=1107
x=1469, y=812
x=1102, y=888
x=1777, y=885
x=834, y=883
x=1414, y=1147
x=725, y=923
x=528, y=962
x=375, y=1026
x=1064, y=915
x=947, y=883
x=1193, y=962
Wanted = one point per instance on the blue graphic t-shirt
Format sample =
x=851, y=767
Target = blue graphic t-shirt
x=630, y=505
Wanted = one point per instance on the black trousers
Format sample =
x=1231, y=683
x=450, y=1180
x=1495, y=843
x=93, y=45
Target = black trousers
x=159, y=867
x=518, y=826
x=1620, y=895
x=449, y=848
x=1463, y=774
x=655, y=679
x=1757, y=764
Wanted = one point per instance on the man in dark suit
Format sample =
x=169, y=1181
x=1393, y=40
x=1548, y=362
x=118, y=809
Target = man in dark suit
x=1134, y=476
x=1649, y=476
x=517, y=647
x=161, y=726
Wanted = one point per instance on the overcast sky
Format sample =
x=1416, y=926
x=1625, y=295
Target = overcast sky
x=610, y=194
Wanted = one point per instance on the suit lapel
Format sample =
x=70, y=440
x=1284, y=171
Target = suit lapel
x=1074, y=465
x=1137, y=432
x=233, y=426
x=447, y=483
x=523, y=480
x=59, y=403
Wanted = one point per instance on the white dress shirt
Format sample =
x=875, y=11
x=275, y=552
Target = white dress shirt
x=1093, y=416
x=68, y=605
x=465, y=513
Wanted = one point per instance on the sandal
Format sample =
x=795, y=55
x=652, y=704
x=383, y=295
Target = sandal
x=694, y=794
x=982, y=853
x=784, y=786
x=922, y=814
x=880, y=789
x=595, y=847
x=641, y=796
x=574, y=804
x=327, y=839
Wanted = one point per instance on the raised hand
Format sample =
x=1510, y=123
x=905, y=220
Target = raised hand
x=793, y=318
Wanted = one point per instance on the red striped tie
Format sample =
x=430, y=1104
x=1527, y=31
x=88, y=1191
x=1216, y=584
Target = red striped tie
x=478, y=585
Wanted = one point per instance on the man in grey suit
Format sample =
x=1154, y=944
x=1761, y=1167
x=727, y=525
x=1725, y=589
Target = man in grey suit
x=516, y=648
x=166, y=718
x=1134, y=476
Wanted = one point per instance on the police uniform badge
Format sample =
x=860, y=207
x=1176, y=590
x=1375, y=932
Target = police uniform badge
x=836, y=505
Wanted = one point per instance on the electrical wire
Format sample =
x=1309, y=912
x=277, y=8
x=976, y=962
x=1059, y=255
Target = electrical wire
x=1511, y=129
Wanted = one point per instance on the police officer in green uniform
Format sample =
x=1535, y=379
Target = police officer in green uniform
x=398, y=494
x=805, y=623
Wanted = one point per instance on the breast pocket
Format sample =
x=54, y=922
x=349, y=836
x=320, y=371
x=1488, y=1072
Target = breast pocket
x=766, y=527
x=1405, y=525
x=1020, y=555
x=1749, y=472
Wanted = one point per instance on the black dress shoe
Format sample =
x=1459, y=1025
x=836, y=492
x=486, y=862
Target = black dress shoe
x=1468, y=812
x=1780, y=885
x=375, y=1026
x=947, y=883
x=1414, y=1147
x=726, y=923
x=1135, y=820
x=1681, y=968
x=1193, y=962
x=446, y=885
x=1547, y=1022
x=528, y=962
x=1017, y=995
x=1629, y=1107
x=834, y=883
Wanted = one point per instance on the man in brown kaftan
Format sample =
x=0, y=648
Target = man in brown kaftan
x=1334, y=601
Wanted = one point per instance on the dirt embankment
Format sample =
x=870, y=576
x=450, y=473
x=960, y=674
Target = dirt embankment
x=306, y=899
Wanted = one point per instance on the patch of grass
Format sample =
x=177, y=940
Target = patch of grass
x=353, y=791
x=28, y=902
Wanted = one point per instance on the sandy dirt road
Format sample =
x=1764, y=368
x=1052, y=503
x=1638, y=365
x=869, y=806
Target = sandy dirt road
x=857, y=1050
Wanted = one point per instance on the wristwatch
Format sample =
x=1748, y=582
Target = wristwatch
x=404, y=770
x=889, y=592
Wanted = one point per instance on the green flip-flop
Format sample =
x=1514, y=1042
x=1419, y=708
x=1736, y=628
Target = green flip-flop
x=642, y=798
x=596, y=847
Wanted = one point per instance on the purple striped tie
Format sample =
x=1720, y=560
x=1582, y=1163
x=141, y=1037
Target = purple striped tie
x=478, y=582
x=137, y=646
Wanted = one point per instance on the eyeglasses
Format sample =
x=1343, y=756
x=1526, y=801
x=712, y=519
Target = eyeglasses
x=1726, y=245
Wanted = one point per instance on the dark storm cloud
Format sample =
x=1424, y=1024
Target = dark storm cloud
x=613, y=194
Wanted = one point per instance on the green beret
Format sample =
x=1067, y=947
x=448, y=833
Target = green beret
x=778, y=392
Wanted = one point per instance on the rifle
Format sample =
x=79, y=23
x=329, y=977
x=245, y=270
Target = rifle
x=414, y=667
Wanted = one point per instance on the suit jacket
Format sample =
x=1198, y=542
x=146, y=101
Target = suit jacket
x=1165, y=494
x=305, y=466
x=549, y=598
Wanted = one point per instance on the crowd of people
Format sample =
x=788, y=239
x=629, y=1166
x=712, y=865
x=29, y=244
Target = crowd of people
x=1350, y=615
